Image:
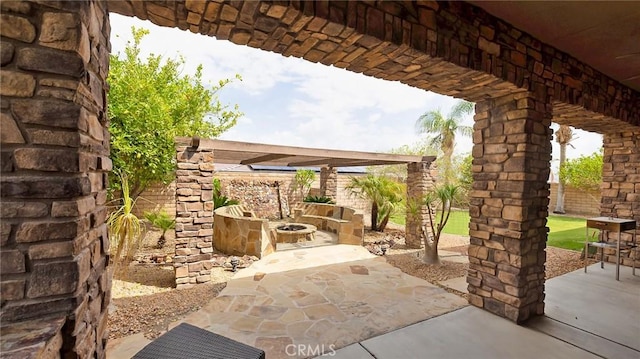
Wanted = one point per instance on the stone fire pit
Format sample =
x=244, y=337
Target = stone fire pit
x=295, y=233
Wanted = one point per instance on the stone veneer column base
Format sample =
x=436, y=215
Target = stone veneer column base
x=194, y=215
x=508, y=206
x=419, y=182
x=329, y=182
x=621, y=184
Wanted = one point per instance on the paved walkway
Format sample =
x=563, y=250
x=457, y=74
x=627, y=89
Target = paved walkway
x=295, y=302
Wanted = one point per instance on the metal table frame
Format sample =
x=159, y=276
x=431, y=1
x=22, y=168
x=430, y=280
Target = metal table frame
x=610, y=224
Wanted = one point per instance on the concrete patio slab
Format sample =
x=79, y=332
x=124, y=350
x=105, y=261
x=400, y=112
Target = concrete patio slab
x=459, y=284
x=469, y=333
x=353, y=351
x=596, y=305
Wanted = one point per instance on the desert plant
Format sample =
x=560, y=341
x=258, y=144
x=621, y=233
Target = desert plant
x=318, y=199
x=218, y=199
x=385, y=195
x=125, y=228
x=303, y=180
x=162, y=221
x=440, y=198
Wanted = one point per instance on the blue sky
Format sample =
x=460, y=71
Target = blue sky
x=290, y=101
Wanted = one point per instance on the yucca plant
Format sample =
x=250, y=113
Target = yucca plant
x=441, y=199
x=162, y=221
x=218, y=199
x=125, y=230
x=318, y=199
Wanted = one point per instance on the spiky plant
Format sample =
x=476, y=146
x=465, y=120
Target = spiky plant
x=163, y=221
x=125, y=230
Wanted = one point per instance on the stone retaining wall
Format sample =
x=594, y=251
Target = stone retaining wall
x=262, y=198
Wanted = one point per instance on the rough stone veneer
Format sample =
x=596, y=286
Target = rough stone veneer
x=329, y=182
x=450, y=47
x=419, y=182
x=508, y=205
x=621, y=183
x=54, y=159
x=194, y=215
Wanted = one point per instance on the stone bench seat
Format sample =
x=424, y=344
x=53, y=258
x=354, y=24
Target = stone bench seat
x=346, y=222
x=237, y=231
x=325, y=218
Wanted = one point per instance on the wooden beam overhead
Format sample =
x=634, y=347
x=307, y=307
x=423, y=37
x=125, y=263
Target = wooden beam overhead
x=265, y=158
x=247, y=153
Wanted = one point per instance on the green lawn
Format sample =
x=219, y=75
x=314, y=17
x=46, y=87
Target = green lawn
x=564, y=232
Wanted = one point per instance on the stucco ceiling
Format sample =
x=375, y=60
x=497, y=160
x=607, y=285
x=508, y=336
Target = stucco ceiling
x=603, y=34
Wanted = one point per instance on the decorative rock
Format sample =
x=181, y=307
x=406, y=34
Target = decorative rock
x=51, y=61
x=12, y=289
x=18, y=28
x=10, y=131
x=24, y=209
x=53, y=278
x=64, y=31
x=16, y=84
x=38, y=187
x=46, y=160
x=57, y=113
x=12, y=262
x=34, y=231
x=6, y=53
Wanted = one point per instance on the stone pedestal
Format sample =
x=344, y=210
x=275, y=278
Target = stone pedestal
x=194, y=215
x=621, y=183
x=419, y=182
x=508, y=206
x=329, y=182
x=55, y=158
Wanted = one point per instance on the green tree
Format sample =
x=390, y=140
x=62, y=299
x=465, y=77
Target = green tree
x=151, y=102
x=385, y=195
x=584, y=173
x=303, y=180
x=399, y=172
x=443, y=130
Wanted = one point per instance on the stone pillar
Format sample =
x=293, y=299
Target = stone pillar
x=329, y=182
x=419, y=182
x=621, y=183
x=54, y=163
x=194, y=216
x=508, y=206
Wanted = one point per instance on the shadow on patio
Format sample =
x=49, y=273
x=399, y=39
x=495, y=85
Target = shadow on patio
x=587, y=316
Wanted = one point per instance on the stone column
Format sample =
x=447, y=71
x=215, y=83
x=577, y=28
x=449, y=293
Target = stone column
x=329, y=182
x=194, y=216
x=621, y=183
x=508, y=206
x=55, y=159
x=419, y=182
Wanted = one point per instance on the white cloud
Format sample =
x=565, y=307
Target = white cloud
x=317, y=106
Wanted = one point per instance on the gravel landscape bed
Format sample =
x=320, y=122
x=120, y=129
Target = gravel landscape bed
x=147, y=301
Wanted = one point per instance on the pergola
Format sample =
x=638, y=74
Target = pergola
x=247, y=153
x=524, y=64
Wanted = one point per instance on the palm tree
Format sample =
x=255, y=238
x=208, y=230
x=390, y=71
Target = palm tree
x=564, y=135
x=444, y=130
x=385, y=195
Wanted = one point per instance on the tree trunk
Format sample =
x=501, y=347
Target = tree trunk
x=431, y=253
x=448, y=156
x=384, y=222
x=374, y=216
x=560, y=197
